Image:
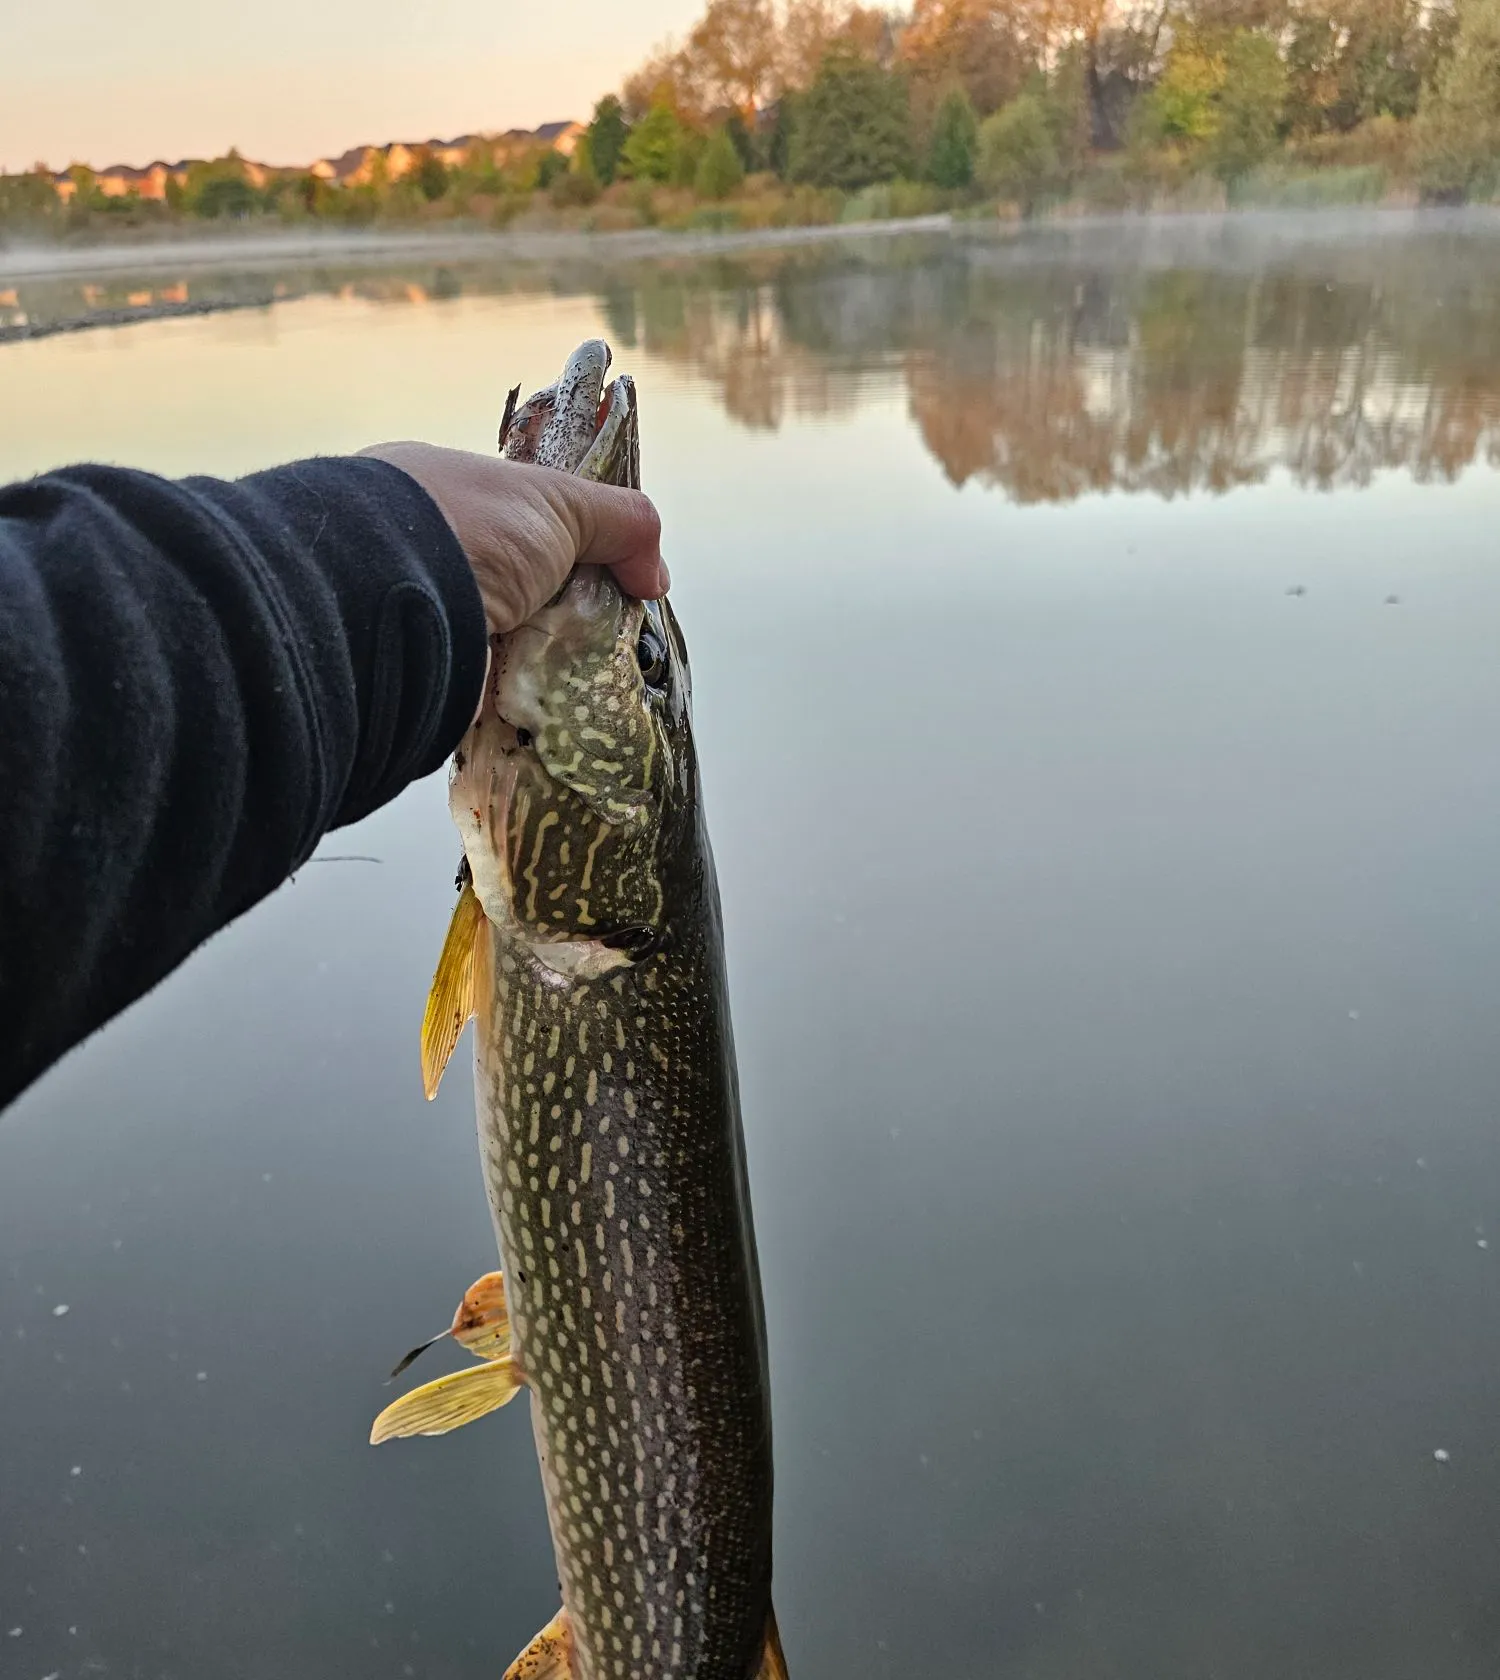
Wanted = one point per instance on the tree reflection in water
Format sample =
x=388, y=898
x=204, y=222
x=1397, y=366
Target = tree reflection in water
x=1166, y=356
x=1086, y=363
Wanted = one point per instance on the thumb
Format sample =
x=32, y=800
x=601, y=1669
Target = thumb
x=611, y=527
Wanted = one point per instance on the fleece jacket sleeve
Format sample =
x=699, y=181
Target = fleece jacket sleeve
x=198, y=679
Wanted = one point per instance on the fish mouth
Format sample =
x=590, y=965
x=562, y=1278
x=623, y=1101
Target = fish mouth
x=588, y=430
x=591, y=433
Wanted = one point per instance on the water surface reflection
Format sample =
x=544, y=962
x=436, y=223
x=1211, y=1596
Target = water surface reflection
x=1115, y=953
x=1084, y=366
x=1196, y=353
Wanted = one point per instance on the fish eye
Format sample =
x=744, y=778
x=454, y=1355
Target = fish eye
x=651, y=655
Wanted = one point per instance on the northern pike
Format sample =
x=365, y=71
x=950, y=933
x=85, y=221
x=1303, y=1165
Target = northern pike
x=588, y=945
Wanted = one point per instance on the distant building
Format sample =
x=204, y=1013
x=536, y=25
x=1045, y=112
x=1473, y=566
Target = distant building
x=356, y=167
x=341, y=171
x=561, y=136
x=359, y=164
x=121, y=180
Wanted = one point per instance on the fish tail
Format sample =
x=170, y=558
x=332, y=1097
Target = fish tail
x=773, y=1662
x=549, y=1656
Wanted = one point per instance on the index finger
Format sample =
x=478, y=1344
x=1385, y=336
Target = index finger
x=614, y=527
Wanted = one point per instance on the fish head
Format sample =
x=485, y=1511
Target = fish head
x=595, y=689
x=577, y=789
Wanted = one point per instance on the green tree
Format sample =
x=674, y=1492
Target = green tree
x=651, y=152
x=606, y=137
x=478, y=173
x=357, y=206
x=431, y=174
x=549, y=166
x=86, y=192
x=226, y=195
x=521, y=171
x=1183, y=108
x=742, y=140
x=720, y=170
x=1349, y=61
x=690, y=148
x=1458, y=122
x=219, y=187
x=853, y=125
x=579, y=184
x=28, y=197
x=955, y=142
x=1249, y=105
x=1071, y=108
x=782, y=131
x=1018, y=157
x=312, y=194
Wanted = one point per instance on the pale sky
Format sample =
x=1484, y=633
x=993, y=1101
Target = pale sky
x=289, y=80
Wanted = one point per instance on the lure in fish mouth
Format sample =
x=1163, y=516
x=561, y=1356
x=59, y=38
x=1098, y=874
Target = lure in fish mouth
x=587, y=944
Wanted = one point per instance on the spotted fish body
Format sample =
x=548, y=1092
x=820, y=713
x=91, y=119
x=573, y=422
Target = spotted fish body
x=608, y=1112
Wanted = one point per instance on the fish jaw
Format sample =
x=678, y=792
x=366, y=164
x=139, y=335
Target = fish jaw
x=570, y=431
x=481, y=782
x=568, y=680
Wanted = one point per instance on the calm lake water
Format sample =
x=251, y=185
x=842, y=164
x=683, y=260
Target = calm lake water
x=1095, y=643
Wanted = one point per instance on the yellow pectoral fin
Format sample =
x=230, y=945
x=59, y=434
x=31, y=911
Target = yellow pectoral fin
x=773, y=1663
x=482, y=1322
x=549, y=1656
x=448, y=1403
x=450, y=1003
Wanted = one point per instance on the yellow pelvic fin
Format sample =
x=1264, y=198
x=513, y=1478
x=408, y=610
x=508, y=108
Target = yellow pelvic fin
x=773, y=1663
x=450, y=1003
x=549, y=1656
x=481, y=1324
x=448, y=1403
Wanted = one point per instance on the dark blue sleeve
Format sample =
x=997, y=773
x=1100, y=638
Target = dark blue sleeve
x=199, y=679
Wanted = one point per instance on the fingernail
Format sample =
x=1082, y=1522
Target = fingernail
x=663, y=576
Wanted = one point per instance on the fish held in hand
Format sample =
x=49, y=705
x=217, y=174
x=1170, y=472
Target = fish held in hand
x=588, y=945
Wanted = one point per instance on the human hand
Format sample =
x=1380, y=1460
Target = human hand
x=524, y=528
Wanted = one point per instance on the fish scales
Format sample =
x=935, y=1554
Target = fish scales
x=618, y=1194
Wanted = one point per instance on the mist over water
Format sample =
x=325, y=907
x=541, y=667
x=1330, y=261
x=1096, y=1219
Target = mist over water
x=1093, y=640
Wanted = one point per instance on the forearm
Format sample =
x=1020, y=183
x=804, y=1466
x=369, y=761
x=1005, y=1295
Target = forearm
x=197, y=681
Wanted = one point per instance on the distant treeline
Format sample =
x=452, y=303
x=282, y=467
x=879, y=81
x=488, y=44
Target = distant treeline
x=812, y=110
x=1033, y=99
x=486, y=176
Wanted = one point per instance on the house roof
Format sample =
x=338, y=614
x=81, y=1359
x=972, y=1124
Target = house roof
x=349, y=162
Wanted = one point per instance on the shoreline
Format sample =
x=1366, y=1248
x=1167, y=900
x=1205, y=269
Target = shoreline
x=127, y=316
x=270, y=250
x=256, y=260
